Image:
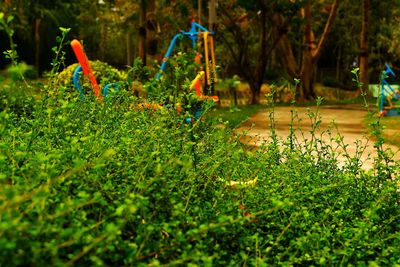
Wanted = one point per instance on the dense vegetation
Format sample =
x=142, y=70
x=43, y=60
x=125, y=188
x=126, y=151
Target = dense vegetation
x=259, y=40
x=115, y=183
x=127, y=182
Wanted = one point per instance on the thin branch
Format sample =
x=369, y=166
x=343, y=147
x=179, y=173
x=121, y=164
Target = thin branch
x=326, y=31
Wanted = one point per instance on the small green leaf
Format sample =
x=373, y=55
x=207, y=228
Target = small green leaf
x=64, y=30
x=10, y=18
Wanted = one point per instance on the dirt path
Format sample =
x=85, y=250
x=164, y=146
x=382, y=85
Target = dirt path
x=347, y=118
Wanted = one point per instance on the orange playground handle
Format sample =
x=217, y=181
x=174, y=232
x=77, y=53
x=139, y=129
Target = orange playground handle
x=84, y=62
x=196, y=83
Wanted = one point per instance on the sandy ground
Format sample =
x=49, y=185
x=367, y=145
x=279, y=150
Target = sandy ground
x=343, y=120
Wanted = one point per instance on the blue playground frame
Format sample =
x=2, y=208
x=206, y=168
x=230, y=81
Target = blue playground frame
x=388, y=91
x=195, y=30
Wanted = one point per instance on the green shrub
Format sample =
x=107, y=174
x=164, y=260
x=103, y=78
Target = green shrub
x=91, y=183
x=15, y=71
x=87, y=184
x=16, y=99
x=139, y=72
x=173, y=86
x=31, y=73
x=103, y=72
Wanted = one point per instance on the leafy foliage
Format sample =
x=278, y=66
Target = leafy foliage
x=14, y=71
x=112, y=184
x=17, y=99
x=139, y=72
x=103, y=72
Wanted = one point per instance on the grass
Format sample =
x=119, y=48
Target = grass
x=391, y=127
x=234, y=116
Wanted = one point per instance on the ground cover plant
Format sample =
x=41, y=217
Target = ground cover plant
x=388, y=125
x=114, y=183
x=232, y=116
x=91, y=183
x=104, y=184
x=390, y=130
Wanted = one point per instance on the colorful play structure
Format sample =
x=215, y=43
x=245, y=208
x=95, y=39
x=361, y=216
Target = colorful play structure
x=388, y=96
x=84, y=66
x=197, y=34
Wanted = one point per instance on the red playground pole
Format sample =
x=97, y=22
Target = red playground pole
x=84, y=62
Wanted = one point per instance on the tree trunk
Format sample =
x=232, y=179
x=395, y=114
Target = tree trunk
x=364, y=44
x=103, y=41
x=151, y=29
x=38, y=22
x=128, y=49
x=199, y=11
x=311, y=50
x=262, y=61
x=338, y=62
x=307, y=66
x=212, y=15
x=235, y=98
x=306, y=89
x=142, y=31
x=255, y=88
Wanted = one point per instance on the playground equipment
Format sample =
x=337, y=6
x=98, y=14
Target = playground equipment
x=196, y=31
x=388, y=95
x=84, y=66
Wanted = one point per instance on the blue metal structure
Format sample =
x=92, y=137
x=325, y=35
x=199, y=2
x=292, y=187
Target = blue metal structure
x=193, y=34
x=387, y=92
x=75, y=80
x=195, y=30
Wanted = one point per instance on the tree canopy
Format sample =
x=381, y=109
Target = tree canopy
x=261, y=41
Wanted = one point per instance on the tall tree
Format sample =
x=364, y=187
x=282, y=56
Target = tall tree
x=142, y=31
x=212, y=14
x=311, y=47
x=364, y=44
x=244, y=31
x=32, y=16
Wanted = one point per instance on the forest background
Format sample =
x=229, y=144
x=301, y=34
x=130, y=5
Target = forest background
x=260, y=41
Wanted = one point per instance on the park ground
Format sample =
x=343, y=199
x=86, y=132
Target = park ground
x=346, y=121
x=344, y=115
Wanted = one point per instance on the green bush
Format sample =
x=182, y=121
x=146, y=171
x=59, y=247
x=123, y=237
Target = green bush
x=15, y=71
x=103, y=72
x=17, y=100
x=112, y=184
x=139, y=72
x=31, y=73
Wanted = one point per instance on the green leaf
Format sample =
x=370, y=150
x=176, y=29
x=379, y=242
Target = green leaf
x=10, y=18
x=64, y=30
